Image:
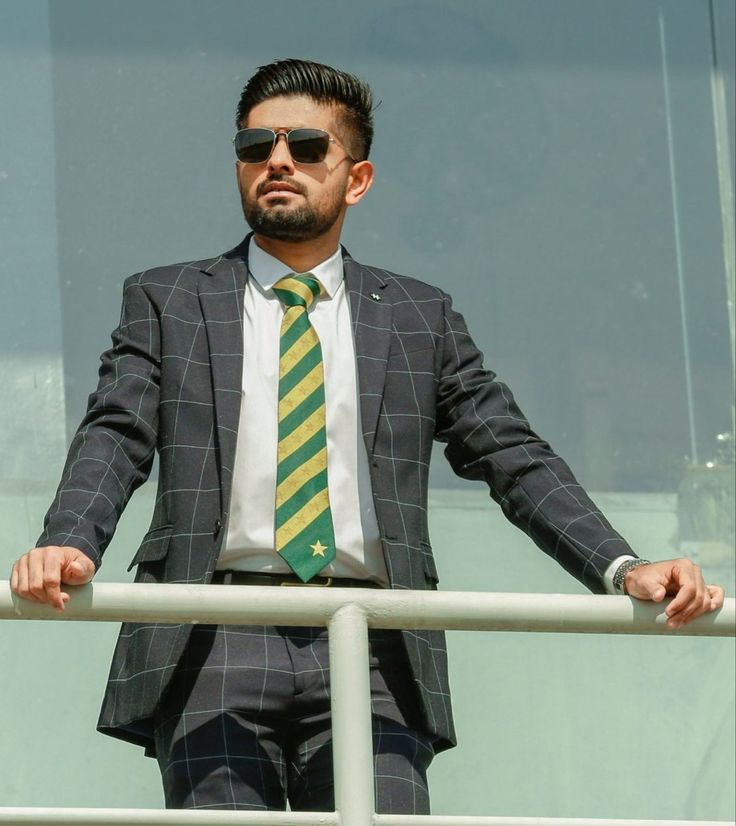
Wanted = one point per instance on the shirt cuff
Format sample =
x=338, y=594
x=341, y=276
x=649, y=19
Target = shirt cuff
x=610, y=572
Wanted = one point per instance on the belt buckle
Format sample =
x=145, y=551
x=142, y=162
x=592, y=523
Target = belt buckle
x=326, y=584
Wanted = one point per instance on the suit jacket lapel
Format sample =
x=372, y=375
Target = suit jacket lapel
x=371, y=318
x=221, y=299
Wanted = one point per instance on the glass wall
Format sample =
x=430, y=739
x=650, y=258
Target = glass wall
x=565, y=171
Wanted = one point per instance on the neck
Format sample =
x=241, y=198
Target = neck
x=299, y=256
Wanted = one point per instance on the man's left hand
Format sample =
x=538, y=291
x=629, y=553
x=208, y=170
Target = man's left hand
x=678, y=578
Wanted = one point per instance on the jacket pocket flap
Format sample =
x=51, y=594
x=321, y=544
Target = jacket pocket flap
x=401, y=358
x=154, y=547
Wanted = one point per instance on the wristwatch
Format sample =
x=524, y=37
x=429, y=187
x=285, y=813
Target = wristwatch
x=623, y=569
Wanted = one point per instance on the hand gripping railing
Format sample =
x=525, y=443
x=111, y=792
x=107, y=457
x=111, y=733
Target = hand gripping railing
x=348, y=613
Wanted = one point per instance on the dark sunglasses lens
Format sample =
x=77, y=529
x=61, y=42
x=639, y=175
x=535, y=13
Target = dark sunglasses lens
x=308, y=145
x=253, y=145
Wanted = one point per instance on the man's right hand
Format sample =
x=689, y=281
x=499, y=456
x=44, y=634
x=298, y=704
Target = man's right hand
x=39, y=574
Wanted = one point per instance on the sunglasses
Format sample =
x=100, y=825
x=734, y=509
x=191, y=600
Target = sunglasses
x=305, y=145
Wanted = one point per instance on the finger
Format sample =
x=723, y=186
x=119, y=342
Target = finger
x=52, y=579
x=693, y=611
x=682, y=600
x=658, y=593
x=701, y=601
x=20, y=576
x=44, y=575
x=77, y=569
x=690, y=611
x=14, y=578
x=688, y=587
x=717, y=595
x=24, y=590
x=22, y=570
x=714, y=596
x=35, y=573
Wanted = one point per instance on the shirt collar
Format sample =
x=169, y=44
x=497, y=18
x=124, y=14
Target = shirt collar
x=267, y=270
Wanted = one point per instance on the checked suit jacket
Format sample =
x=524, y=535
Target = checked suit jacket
x=172, y=383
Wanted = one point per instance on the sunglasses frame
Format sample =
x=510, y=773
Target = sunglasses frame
x=286, y=133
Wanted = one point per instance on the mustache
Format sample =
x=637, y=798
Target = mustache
x=281, y=179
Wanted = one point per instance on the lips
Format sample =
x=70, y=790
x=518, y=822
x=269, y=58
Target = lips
x=278, y=186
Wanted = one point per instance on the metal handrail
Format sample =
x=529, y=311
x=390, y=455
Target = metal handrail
x=348, y=613
x=157, y=817
x=451, y=610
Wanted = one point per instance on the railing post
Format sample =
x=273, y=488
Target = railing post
x=352, y=739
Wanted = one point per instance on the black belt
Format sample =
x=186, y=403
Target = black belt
x=248, y=578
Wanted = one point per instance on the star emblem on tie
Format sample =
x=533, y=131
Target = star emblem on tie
x=318, y=549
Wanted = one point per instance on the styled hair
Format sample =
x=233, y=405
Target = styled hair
x=291, y=77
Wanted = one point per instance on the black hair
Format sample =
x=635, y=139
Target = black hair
x=292, y=77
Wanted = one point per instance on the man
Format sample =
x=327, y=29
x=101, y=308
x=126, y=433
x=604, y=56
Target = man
x=293, y=396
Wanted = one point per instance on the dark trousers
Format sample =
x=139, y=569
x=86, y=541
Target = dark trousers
x=245, y=723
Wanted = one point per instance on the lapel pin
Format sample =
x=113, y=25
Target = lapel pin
x=375, y=296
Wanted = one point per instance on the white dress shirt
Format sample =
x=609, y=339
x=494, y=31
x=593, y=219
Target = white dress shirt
x=249, y=543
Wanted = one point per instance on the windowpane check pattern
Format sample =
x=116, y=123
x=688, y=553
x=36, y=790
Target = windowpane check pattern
x=304, y=533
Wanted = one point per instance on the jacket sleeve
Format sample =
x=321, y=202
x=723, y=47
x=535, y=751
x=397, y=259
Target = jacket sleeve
x=112, y=451
x=488, y=438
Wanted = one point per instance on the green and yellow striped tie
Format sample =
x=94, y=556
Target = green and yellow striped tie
x=304, y=534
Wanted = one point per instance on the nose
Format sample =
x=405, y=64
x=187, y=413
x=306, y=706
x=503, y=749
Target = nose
x=280, y=157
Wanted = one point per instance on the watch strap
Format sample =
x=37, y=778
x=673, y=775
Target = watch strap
x=623, y=569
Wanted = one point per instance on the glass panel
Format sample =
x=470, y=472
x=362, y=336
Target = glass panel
x=32, y=437
x=551, y=165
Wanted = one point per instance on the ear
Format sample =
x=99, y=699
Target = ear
x=360, y=181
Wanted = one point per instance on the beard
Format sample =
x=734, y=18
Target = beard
x=295, y=224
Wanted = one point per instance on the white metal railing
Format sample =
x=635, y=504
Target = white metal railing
x=348, y=613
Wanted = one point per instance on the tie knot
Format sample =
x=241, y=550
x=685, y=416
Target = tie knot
x=297, y=290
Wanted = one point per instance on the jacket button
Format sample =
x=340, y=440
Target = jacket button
x=217, y=527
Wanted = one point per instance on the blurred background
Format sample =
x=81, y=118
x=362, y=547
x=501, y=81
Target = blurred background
x=565, y=171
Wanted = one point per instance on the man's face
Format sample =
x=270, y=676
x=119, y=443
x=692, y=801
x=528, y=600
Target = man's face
x=288, y=201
